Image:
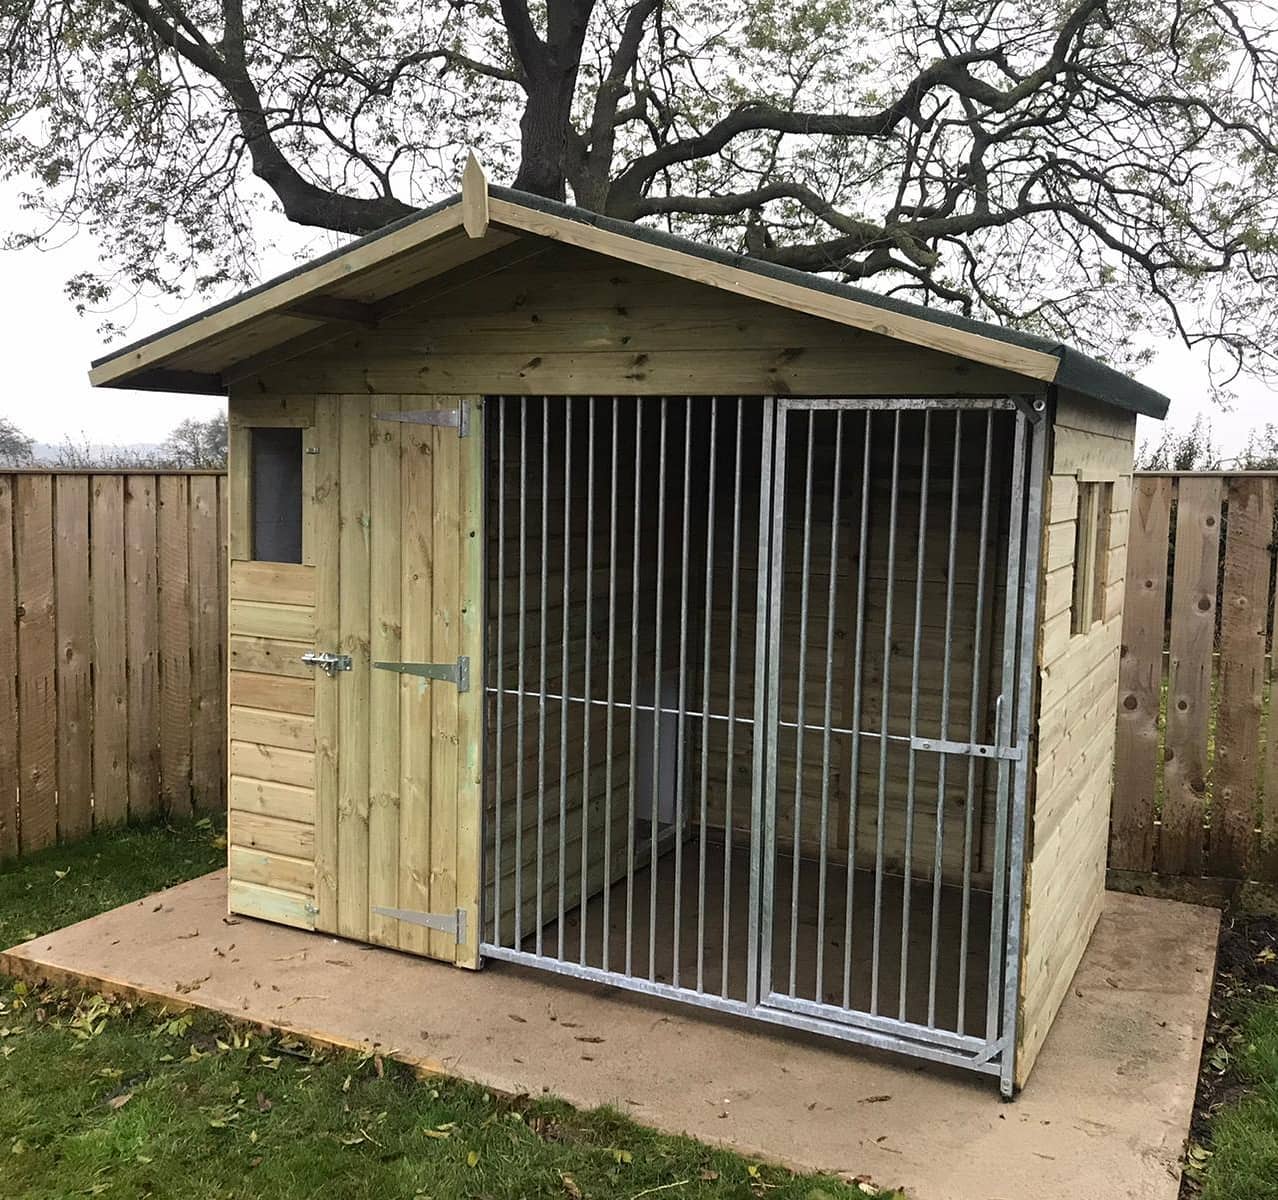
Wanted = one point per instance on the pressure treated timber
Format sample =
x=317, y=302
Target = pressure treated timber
x=8, y=675
x=1193, y=627
x=270, y=904
x=1241, y=683
x=286, y=801
x=73, y=615
x=1078, y=679
x=271, y=834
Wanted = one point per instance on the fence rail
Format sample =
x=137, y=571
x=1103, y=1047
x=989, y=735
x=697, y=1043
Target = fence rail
x=112, y=603
x=1196, y=765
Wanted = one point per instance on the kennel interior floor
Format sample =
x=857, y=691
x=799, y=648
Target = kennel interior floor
x=696, y=942
x=1105, y=1112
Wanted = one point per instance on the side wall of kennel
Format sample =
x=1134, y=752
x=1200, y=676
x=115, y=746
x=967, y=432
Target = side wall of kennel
x=1084, y=567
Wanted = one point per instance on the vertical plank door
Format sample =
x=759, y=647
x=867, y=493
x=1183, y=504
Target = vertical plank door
x=394, y=530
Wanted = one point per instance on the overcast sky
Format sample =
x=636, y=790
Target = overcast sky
x=48, y=348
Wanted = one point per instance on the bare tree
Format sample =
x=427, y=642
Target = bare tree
x=15, y=446
x=1095, y=170
x=197, y=444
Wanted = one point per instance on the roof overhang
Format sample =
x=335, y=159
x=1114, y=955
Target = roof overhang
x=388, y=271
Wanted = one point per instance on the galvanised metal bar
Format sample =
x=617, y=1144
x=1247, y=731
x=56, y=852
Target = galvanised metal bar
x=541, y=651
x=854, y=772
x=659, y=619
x=942, y=766
x=770, y=634
x=975, y=720
x=634, y=689
x=801, y=702
x=680, y=728
x=499, y=731
x=894, y=404
x=611, y=685
x=919, y=1047
x=588, y=663
x=884, y=708
x=707, y=610
x=1027, y=672
x=521, y=674
x=758, y=936
x=912, y=760
x=734, y=611
x=563, y=679
x=831, y=602
x=1003, y=734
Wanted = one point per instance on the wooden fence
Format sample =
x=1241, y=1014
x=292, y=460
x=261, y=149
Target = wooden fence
x=1196, y=770
x=112, y=595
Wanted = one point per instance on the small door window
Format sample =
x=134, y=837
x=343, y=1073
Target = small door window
x=276, y=456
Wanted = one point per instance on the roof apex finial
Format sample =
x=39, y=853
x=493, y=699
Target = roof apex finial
x=474, y=189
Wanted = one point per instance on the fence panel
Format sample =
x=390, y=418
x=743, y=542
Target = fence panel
x=1196, y=756
x=111, y=650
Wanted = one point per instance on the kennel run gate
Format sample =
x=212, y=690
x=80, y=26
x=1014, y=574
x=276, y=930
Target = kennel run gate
x=612, y=605
x=692, y=579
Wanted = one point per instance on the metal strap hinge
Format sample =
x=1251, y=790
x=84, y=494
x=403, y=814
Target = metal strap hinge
x=975, y=749
x=453, y=923
x=458, y=672
x=457, y=418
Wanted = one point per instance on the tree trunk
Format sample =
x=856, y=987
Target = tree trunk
x=544, y=130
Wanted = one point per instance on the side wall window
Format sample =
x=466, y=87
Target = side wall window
x=276, y=521
x=1091, y=554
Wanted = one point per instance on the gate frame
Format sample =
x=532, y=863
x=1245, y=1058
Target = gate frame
x=992, y=1055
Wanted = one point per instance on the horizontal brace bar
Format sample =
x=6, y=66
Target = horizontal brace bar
x=891, y=404
x=775, y=1016
x=929, y=1035
x=937, y=745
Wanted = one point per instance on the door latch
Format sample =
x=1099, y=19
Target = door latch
x=330, y=664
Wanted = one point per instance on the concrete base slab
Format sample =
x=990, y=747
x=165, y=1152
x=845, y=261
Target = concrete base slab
x=1105, y=1113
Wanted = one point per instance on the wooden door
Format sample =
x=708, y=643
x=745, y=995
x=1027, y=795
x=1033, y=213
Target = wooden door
x=395, y=518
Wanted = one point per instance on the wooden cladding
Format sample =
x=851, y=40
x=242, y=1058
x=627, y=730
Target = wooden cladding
x=112, y=595
x=1196, y=771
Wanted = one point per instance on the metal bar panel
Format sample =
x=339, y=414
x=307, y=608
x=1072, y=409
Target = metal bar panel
x=912, y=761
x=541, y=661
x=801, y=702
x=734, y=611
x=521, y=673
x=998, y=900
x=563, y=680
x=938, y=844
x=831, y=603
x=609, y=735
x=634, y=687
x=884, y=712
x=680, y=730
x=891, y=1025
x=1026, y=682
x=658, y=617
x=499, y=732
x=707, y=610
x=772, y=637
x=761, y=779
x=854, y=772
x=588, y=664
x=974, y=721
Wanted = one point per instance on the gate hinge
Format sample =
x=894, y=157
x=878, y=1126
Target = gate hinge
x=458, y=418
x=1032, y=406
x=453, y=923
x=458, y=672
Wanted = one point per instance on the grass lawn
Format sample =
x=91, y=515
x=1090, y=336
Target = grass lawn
x=1233, y=1153
x=101, y=1099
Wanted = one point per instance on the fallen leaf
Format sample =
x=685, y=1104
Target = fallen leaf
x=570, y=1185
x=472, y=1159
x=593, y=1040
x=263, y=1103
x=517, y=1017
x=118, y=1102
